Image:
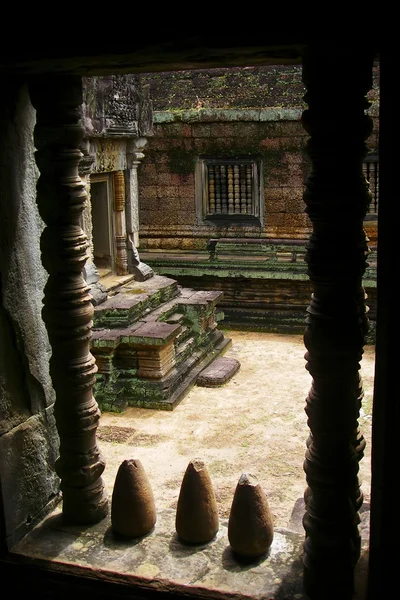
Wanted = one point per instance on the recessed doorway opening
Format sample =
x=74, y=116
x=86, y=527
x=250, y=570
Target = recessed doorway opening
x=101, y=200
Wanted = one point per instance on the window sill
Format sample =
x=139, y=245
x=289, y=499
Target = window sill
x=233, y=220
x=159, y=562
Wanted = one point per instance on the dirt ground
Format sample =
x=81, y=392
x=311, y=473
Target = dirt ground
x=254, y=423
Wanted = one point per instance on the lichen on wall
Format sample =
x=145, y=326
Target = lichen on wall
x=235, y=87
x=227, y=112
x=276, y=86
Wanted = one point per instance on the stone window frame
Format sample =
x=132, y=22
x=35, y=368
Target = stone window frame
x=225, y=217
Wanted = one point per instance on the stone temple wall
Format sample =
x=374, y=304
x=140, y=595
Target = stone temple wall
x=250, y=111
x=169, y=216
x=28, y=435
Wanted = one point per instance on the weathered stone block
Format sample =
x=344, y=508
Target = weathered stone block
x=156, y=362
x=155, y=334
x=30, y=451
x=223, y=130
x=201, y=130
x=218, y=372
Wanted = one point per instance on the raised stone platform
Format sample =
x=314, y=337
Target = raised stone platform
x=151, y=340
x=265, y=282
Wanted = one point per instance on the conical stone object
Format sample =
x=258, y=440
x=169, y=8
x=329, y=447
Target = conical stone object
x=197, y=520
x=250, y=526
x=133, y=511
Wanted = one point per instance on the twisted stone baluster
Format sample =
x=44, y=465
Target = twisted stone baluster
x=68, y=310
x=120, y=223
x=336, y=198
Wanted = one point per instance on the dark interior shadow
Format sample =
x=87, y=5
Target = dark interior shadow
x=292, y=583
x=57, y=534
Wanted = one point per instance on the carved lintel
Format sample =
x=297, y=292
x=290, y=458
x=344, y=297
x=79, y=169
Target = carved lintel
x=68, y=309
x=336, y=198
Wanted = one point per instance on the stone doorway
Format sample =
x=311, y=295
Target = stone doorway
x=101, y=195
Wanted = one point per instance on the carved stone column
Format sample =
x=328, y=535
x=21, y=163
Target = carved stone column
x=68, y=310
x=119, y=222
x=337, y=198
x=134, y=154
x=135, y=265
x=90, y=271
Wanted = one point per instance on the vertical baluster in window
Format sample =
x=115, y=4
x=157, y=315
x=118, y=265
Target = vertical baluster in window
x=217, y=189
x=230, y=189
x=376, y=186
x=367, y=173
x=224, y=194
x=211, y=190
x=249, y=191
x=371, y=172
x=236, y=179
x=370, y=178
x=243, y=190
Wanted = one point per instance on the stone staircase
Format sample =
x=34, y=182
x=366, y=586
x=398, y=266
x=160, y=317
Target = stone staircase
x=151, y=341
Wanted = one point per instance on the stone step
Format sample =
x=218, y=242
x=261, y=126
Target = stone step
x=176, y=317
x=151, y=340
x=187, y=303
x=203, y=297
x=162, y=302
x=146, y=347
x=184, y=348
x=183, y=335
x=166, y=392
x=218, y=372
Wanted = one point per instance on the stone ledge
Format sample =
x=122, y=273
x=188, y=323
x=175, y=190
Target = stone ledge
x=157, y=333
x=161, y=562
x=218, y=115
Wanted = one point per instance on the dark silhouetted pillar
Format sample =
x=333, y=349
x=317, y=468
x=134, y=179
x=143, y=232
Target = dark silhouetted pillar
x=68, y=310
x=337, y=196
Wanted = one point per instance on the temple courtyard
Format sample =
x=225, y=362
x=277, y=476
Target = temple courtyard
x=254, y=423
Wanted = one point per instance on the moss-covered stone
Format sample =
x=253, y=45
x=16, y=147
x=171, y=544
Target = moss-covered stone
x=235, y=87
x=232, y=87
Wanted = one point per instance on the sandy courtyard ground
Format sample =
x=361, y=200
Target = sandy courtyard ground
x=254, y=423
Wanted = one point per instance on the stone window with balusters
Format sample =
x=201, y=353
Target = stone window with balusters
x=228, y=189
